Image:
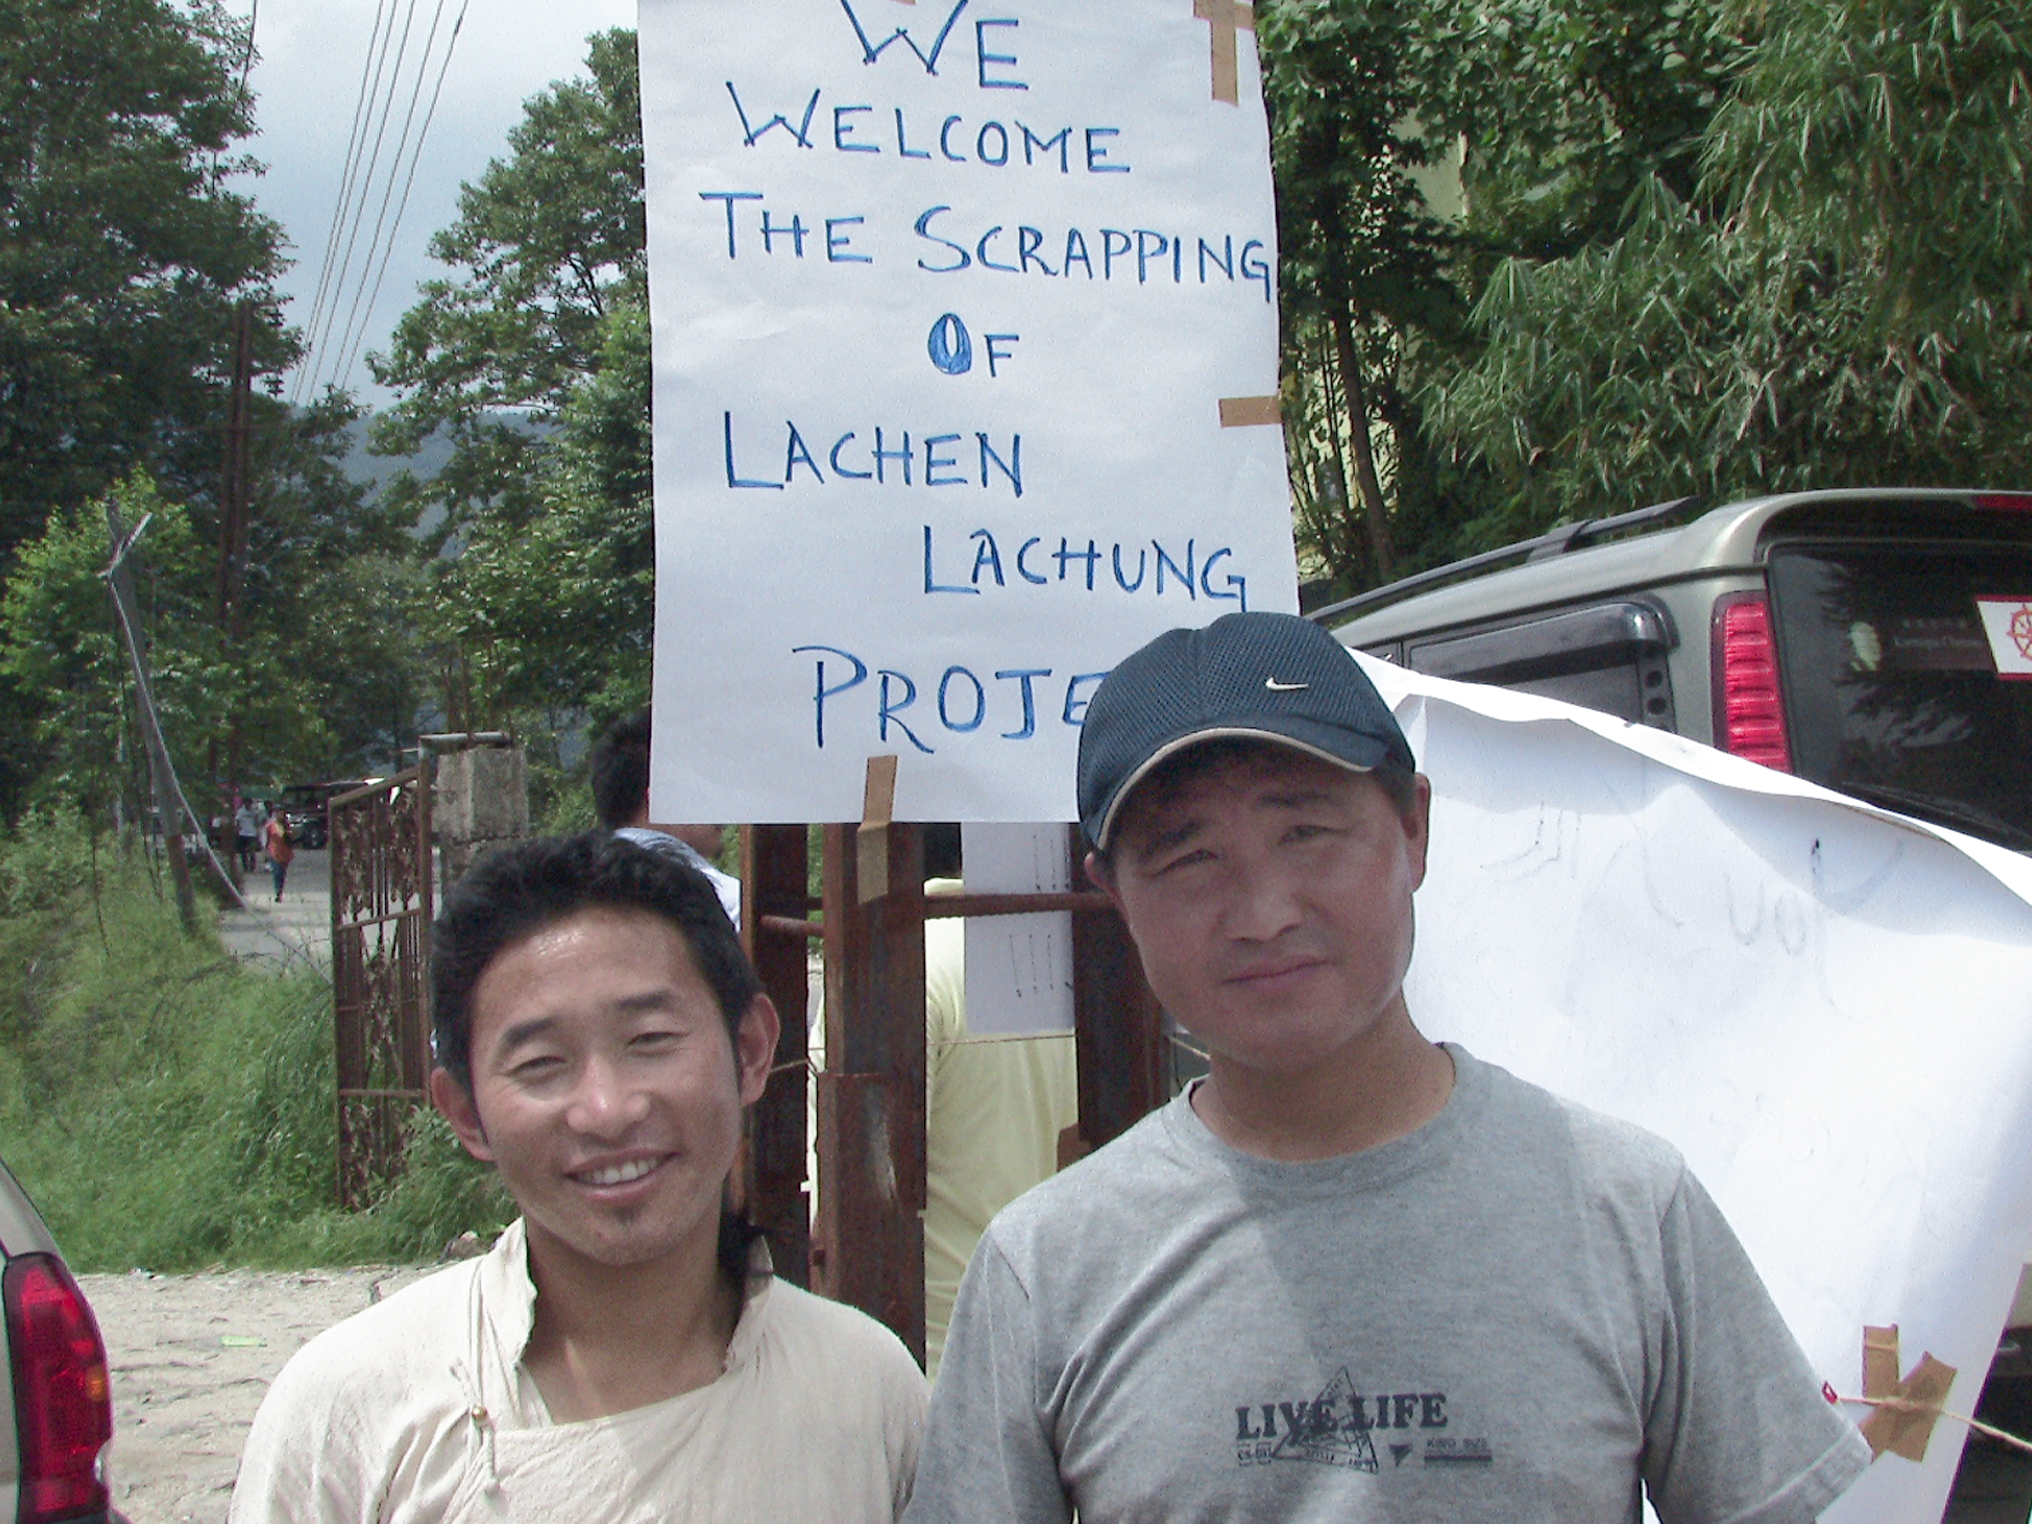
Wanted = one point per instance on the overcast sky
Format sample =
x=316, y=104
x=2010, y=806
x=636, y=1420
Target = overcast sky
x=306, y=81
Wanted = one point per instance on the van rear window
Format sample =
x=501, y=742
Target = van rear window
x=1900, y=670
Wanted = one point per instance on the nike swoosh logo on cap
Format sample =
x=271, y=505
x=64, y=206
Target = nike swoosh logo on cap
x=1276, y=687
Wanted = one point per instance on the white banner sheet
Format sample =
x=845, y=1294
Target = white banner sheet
x=1826, y=1007
x=965, y=384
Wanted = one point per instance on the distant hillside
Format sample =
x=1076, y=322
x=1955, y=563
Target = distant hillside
x=378, y=470
x=375, y=472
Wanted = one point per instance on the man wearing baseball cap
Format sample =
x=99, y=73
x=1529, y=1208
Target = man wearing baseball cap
x=1351, y=1274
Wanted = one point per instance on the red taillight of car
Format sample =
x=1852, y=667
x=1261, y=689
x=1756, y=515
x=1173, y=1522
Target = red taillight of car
x=2007, y=502
x=63, y=1401
x=1749, y=709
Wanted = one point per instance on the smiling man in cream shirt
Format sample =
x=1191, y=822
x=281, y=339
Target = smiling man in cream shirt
x=623, y=1352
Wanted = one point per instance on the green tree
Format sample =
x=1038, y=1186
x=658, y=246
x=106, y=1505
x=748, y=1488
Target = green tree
x=59, y=640
x=556, y=612
x=1362, y=260
x=331, y=602
x=322, y=672
x=1565, y=109
x=1842, y=301
x=547, y=243
x=1416, y=148
x=536, y=363
x=122, y=247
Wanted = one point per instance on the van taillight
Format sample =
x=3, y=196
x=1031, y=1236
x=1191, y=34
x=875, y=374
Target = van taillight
x=1749, y=711
x=2008, y=502
x=62, y=1399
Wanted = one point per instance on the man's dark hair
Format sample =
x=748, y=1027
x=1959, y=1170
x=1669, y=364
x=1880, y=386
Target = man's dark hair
x=620, y=771
x=1184, y=768
x=520, y=889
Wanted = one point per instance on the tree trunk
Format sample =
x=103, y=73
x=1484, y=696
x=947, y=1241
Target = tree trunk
x=1365, y=455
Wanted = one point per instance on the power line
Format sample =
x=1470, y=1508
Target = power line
x=320, y=341
x=416, y=157
x=354, y=197
x=346, y=331
x=354, y=138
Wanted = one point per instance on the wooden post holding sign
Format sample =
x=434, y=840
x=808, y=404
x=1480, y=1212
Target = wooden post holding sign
x=1118, y=1028
x=774, y=908
x=869, y=1247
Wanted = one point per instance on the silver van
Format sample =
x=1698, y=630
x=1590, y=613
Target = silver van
x=1872, y=641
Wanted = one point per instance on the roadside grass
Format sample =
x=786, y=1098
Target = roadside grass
x=167, y=1107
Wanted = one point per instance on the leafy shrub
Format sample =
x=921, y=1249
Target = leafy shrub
x=167, y=1106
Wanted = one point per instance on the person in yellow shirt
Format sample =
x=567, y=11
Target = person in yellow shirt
x=995, y=1108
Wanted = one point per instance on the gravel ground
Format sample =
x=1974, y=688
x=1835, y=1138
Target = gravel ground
x=191, y=1357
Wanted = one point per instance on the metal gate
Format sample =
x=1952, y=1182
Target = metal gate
x=381, y=915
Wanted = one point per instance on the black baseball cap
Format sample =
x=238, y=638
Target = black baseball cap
x=1255, y=676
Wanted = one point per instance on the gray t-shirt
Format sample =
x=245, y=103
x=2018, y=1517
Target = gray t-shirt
x=1517, y=1313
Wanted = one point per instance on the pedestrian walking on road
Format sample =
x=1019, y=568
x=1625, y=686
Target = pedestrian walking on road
x=247, y=833
x=279, y=849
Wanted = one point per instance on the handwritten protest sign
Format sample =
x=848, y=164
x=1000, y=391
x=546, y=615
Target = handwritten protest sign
x=1827, y=1008
x=966, y=373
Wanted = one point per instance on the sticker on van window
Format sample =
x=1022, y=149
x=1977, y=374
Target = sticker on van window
x=2008, y=624
x=1922, y=643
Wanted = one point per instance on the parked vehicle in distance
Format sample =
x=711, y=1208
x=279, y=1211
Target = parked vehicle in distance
x=57, y=1406
x=1867, y=640
x=1870, y=641
x=305, y=806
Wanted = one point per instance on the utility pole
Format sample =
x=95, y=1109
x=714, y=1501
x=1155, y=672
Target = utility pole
x=235, y=512
x=167, y=799
x=233, y=484
x=170, y=804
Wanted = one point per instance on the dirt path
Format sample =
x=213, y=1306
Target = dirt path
x=191, y=1357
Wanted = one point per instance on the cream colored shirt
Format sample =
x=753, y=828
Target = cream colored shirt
x=418, y=1411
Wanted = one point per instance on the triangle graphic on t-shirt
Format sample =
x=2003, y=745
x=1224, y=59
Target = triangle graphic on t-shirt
x=1334, y=1431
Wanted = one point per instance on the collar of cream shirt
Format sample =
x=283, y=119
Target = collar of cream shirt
x=509, y=1296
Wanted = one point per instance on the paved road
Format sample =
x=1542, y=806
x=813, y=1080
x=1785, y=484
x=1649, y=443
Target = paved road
x=297, y=931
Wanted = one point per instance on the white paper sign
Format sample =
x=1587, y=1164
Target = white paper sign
x=1826, y=1007
x=1019, y=967
x=2007, y=622
x=950, y=302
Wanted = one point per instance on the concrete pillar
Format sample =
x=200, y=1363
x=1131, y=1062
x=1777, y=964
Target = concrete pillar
x=482, y=802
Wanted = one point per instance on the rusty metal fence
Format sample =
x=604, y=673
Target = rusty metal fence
x=866, y=1247
x=381, y=915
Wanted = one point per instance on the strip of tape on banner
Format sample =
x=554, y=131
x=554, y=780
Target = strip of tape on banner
x=871, y=841
x=1251, y=412
x=1904, y=1411
x=1226, y=17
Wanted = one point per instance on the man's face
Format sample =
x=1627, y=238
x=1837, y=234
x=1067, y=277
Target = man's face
x=604, y=1086
x=1270, y=899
